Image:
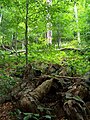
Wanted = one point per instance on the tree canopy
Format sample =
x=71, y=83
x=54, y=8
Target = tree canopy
x=62, y=18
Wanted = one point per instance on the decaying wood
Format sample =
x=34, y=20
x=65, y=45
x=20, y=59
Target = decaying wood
x=74, y=49
x=7, y=48
x=18, y=51
x=58, y=77
x=75, y=111
x=29, y=100
x=75, y=107
x=11, y=50
x=66, y=93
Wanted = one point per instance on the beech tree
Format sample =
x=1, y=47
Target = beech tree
x=76, y=18
x=49, y=24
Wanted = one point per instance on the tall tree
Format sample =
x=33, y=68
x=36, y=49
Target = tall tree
x=0, y=14
x=26, y=31
x=76, y=18
x=49, y=24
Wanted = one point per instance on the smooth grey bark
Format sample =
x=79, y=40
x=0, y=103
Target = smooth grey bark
x=49, y=24
x=76, y=17
x=0, y=14
x=0, y=17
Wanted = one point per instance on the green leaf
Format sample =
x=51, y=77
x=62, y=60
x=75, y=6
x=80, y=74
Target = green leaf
x=36, y=115
x=48, y=117
x=26, y=117
x=68, y=96
x=78, y=99
x=35, y=118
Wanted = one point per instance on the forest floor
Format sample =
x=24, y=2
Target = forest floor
x=46, y=91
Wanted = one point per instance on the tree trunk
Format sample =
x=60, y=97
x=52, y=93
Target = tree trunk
x=76, y=17
x=26, y=32
x=49, y=24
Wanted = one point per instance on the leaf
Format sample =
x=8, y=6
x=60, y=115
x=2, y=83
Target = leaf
x=35, y=118
x=78, y=99
x=68, y=96
x=26, y=117
x=36, y=115
x=48, y=117
x=28, y=114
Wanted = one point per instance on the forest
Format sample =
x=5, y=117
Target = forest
x=44, y=59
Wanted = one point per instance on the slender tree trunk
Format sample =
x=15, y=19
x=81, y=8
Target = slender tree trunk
x=1, y=37
x=49, y=31
x=26, y=31
x=0, y=14
x=14, y=40
x=16, y=47
x=0, y=17
x=23, y=46
x=59, y=42
x=76, y=17
x=58, y=36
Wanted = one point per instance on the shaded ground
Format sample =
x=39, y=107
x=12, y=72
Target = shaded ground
x=67, y=99
x=5, y=111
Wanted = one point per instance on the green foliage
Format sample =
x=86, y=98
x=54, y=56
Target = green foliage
x=31, y=116
x=6, y=83
x=34, y=116
x=62, y=19
x=63, y=27
x=75, y=60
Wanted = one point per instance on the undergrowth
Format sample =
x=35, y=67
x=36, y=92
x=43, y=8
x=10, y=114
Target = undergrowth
x=78, y=64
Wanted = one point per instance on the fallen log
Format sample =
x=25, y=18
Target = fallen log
x=75, y=111
x=74, y=49
x=57, y=77
x=6, y=48
x=74, y=105
x=18, y=51
x=30, y=100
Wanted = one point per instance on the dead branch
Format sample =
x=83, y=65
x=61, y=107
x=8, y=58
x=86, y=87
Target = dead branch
x=18, y=51
x=44, y=77
x=74, y=49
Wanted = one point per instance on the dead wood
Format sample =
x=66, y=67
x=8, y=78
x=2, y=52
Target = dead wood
x=29, y=100
x=81, y=51
x=75, y=111
x=18, y=51
x=11, y=50
x=60, y=93
x=75, y=107
x=7, y=48
x=74, y=49
x=58, y=77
